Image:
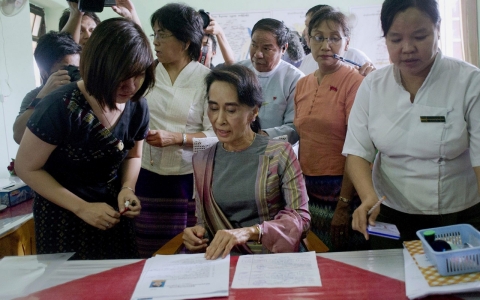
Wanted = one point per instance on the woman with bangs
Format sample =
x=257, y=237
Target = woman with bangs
x=81, y=151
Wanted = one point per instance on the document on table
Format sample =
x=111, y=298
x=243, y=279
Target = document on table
x=183, y=276
x=277, y=270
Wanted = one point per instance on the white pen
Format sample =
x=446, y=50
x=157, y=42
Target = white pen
x=376, y=205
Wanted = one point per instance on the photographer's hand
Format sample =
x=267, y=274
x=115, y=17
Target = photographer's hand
x=126, y=9
x=55, y=81
x=74, y=22
x=217, y=30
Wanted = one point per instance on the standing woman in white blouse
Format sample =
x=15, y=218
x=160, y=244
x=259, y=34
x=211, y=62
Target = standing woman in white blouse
x=422, y=114
x=178, y=113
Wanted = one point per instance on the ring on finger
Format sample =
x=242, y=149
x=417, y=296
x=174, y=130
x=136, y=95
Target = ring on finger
x=108, y=225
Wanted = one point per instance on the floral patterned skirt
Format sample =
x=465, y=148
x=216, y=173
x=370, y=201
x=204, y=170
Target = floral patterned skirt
x=323, y=193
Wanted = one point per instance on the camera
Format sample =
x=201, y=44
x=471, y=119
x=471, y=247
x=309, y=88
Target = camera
x=93, y=5
x=73, y=72
x=205, y=17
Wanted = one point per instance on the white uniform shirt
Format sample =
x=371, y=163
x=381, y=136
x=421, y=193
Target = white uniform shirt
x=309, y=65
x=421, y=167
x=181, y=107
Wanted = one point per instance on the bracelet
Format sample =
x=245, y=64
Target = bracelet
x=184, y=139
x=259, y=232
x=128, y=188
x=343, y=199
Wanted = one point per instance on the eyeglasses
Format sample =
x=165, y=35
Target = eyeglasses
x=161, y=36
x=321, y=39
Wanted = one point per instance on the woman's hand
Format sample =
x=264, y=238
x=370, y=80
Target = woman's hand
x=339, y=229
x=163, y=138
x=366, y=69
x=360, y=216
x=224, y=241
x=193, y=238
x=100, y=215
x=134, y=206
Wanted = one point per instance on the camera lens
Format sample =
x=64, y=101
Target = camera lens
x=205, y=18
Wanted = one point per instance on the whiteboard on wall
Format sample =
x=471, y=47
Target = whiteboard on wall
x=366, y=34
x=238, y=27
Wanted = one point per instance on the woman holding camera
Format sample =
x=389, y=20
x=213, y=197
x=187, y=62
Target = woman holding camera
x=81, y=151
x=178, y=113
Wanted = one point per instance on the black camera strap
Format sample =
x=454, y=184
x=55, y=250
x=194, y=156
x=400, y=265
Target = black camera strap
x=203, y=56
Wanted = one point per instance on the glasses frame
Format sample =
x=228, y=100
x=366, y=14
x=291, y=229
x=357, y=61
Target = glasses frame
x=330, y=40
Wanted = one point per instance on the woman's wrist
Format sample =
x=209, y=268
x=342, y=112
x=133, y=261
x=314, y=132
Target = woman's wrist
x=127, y=188
x=256, y=233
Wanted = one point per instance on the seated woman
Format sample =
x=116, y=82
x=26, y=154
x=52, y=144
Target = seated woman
x=81, y=151
x=269, y=211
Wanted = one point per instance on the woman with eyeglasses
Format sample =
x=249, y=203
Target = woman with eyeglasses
x=178, y=113
x=323, y=101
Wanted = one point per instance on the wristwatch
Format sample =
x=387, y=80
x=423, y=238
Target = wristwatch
x=34, y=103
x=343, y=199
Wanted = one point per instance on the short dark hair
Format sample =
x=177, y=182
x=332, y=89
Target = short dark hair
x=249, y=91
x=117, y=50
x=276, y=27
x=66, y=14
x=391, y=8
x=184, y=23
x=327, y=14
x=295, y=48
x=317, y=8
x=53, y=47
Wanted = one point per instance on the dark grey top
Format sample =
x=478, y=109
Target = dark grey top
x=234, y=177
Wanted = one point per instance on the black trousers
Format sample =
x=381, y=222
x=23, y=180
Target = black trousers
x=409, y=224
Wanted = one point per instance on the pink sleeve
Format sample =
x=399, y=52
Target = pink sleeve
x=283, y=233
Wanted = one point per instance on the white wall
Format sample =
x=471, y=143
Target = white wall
x=16, y=78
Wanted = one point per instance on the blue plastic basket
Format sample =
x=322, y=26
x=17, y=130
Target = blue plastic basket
x=458, y=261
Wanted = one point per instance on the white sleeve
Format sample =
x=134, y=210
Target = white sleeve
x=472, y=117
x=357, y=56
x=358, y=141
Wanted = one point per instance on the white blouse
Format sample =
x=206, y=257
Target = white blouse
x=181, y=107
x=421, y=167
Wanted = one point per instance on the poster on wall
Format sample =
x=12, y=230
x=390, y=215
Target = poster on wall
x=367, y=35
x=238, y=27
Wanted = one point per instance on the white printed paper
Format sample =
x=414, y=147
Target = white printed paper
x=183, y=276
x=277, y=270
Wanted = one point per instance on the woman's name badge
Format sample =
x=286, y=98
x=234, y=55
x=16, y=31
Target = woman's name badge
x=432, y=119
x=120, y=145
